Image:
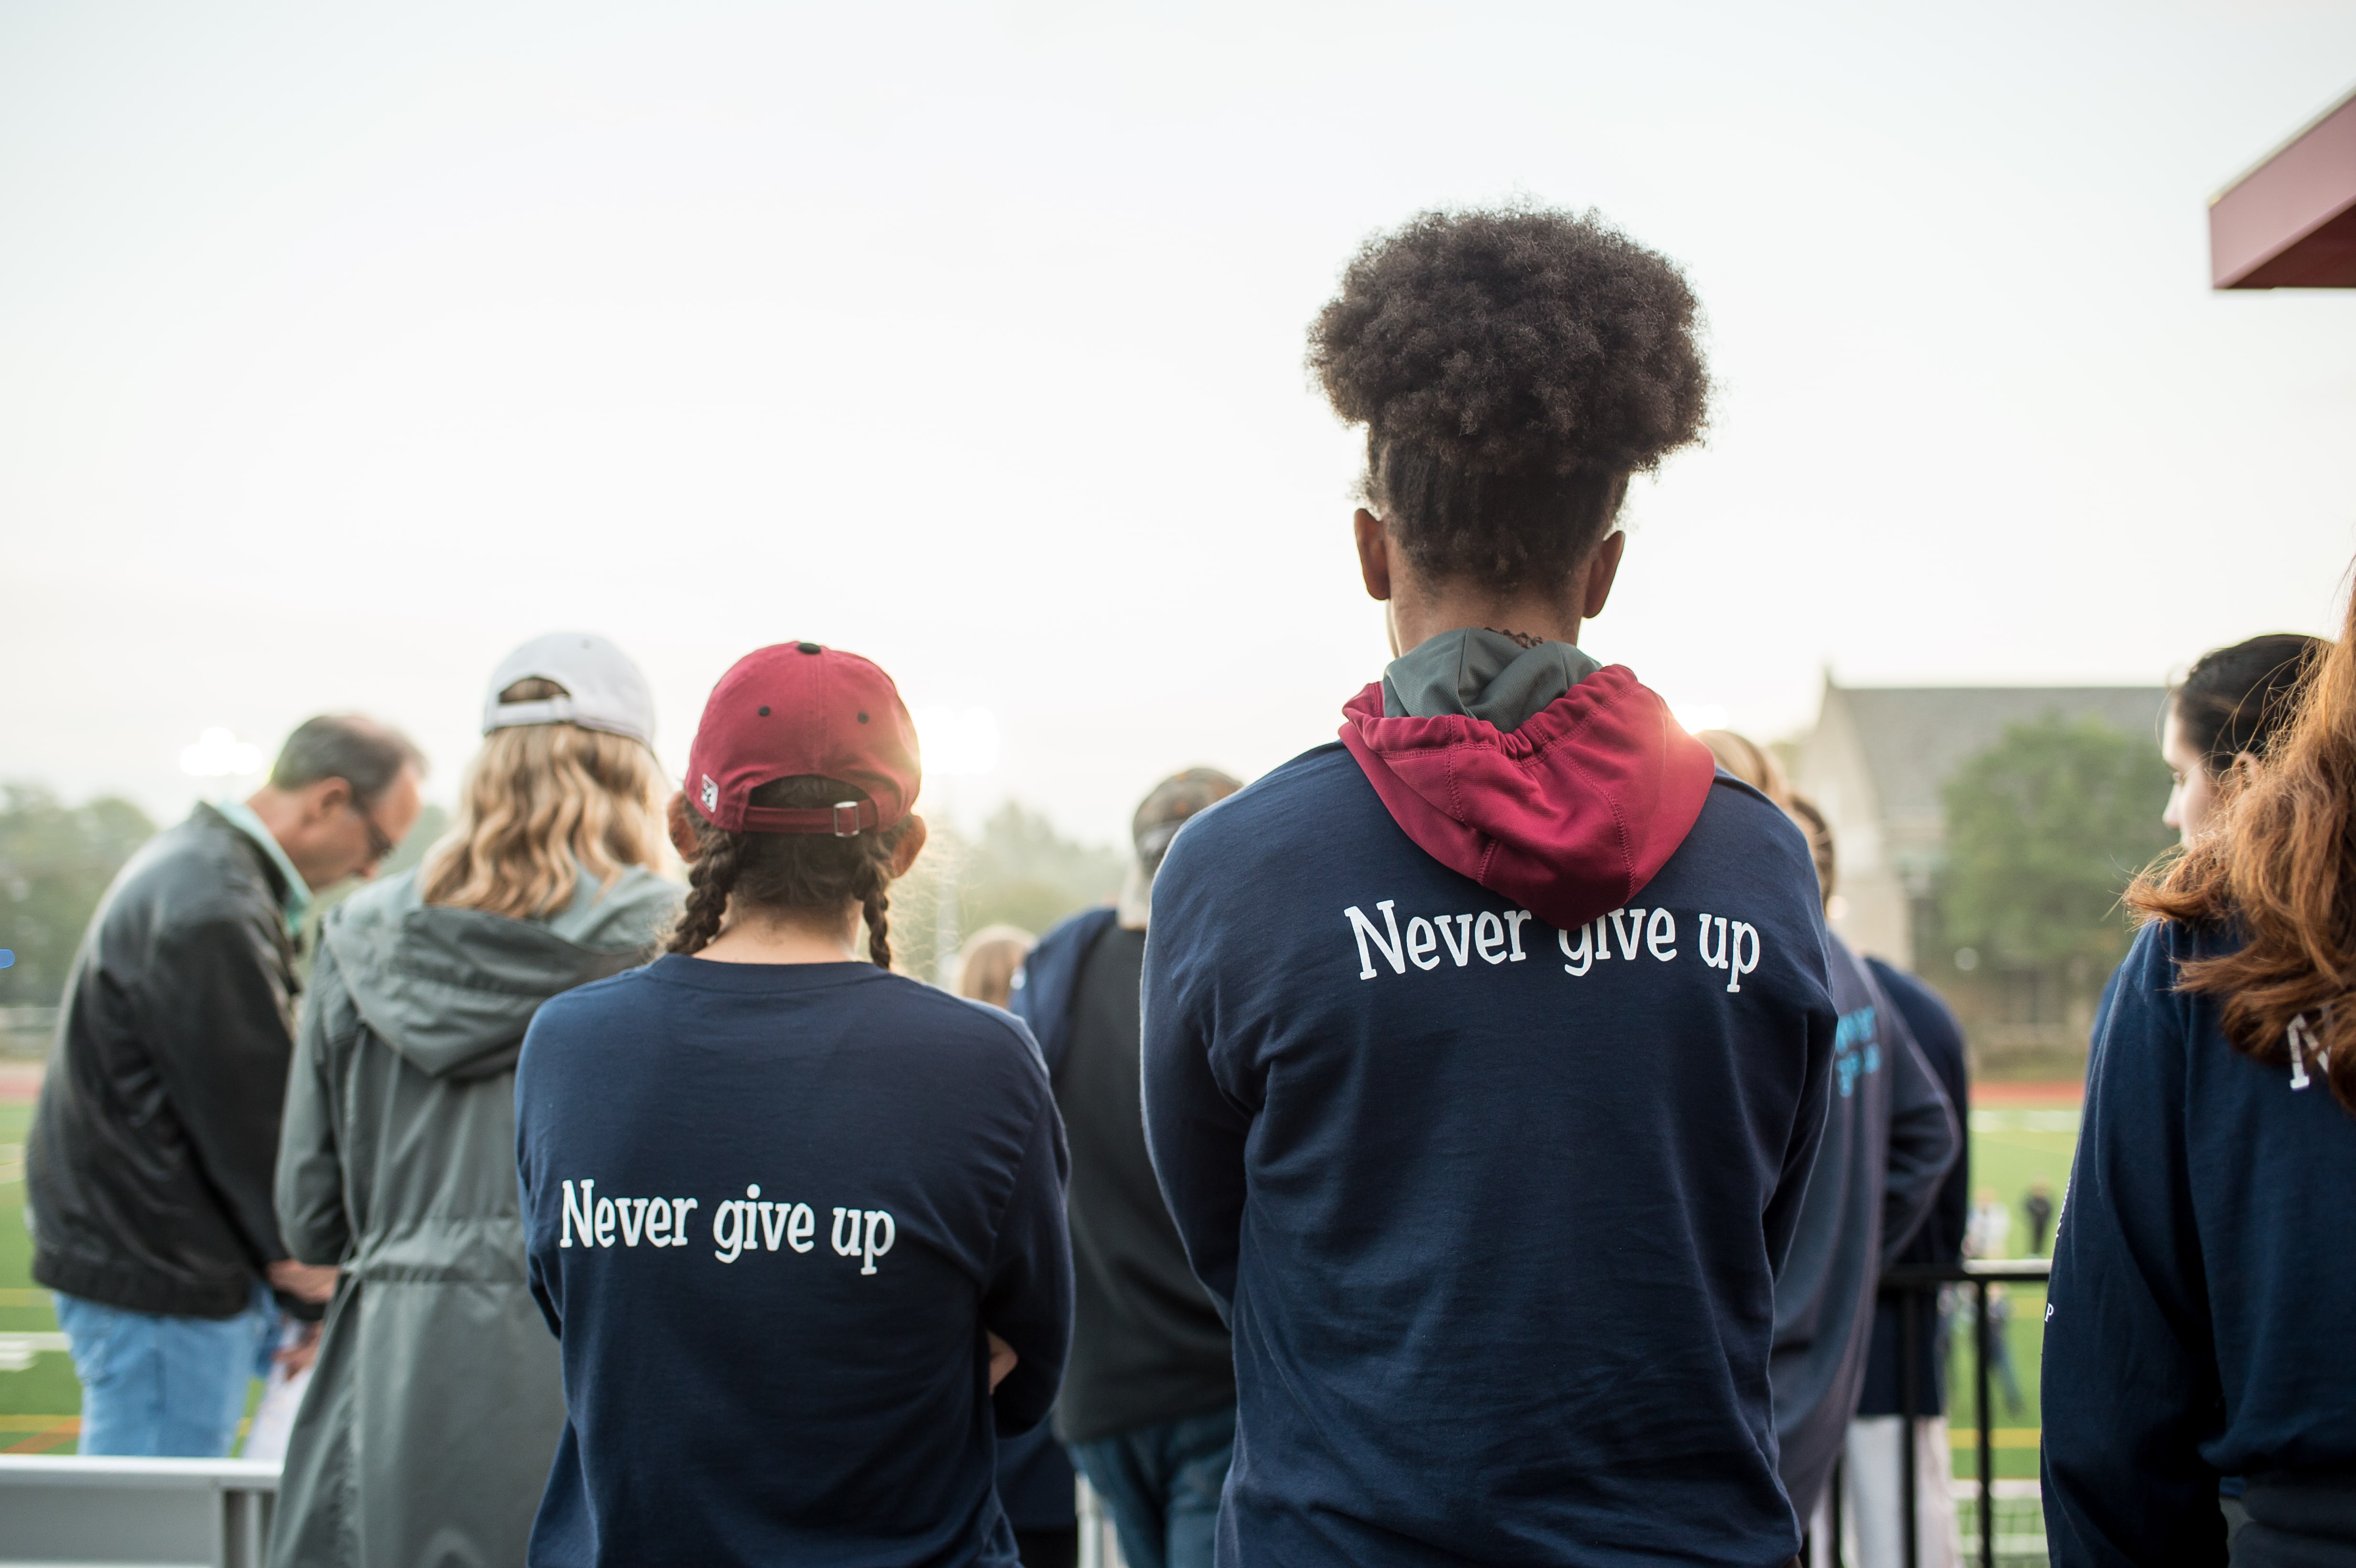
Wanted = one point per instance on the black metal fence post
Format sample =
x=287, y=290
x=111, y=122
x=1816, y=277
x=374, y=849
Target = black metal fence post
x=1913, y=1282
x=1987, y=1437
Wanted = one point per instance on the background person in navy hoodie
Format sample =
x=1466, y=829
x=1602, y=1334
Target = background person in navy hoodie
x=1875, y=1455
x=1486, y=1053
x=2202, y=1280
x=1890, y=1138
x=796, y=1221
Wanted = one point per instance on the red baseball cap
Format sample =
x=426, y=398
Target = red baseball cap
x=798, y=709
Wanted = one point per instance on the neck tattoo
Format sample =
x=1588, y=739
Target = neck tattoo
x=1519, y=639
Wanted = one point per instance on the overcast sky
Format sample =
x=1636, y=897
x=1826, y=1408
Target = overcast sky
x=343, y=349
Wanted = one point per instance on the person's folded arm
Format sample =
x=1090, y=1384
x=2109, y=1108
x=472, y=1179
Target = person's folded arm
x=1027, y=1302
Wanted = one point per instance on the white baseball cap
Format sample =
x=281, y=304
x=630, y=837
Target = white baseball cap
x=605, y=691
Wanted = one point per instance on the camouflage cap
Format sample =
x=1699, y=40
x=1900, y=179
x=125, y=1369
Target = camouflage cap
x=1172, y=801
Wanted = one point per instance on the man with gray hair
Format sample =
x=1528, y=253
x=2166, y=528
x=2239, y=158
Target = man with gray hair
x=153, y=1147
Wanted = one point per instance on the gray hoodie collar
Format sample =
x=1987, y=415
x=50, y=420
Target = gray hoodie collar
x=1485, y=674
x=453, y=989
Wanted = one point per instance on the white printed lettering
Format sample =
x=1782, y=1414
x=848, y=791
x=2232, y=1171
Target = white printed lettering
x=846, y=1245
x=878, y=1222
x=1489, y=938
x=1720, y=961
x=1582, y=957
x=579, y=1217
x=678, y=1208
x=803, y=1226
x=1734, y=959
x=632, y=1213
x=1631, y=934
x=1602, y=937
x=605, y=1221
x=1660, y=935
x=1363, y=928
x=728, y=1230
x=1514, y=919
x=773, y=1224
x=658, y=1224
x=1460, y=941
x=1421, y=944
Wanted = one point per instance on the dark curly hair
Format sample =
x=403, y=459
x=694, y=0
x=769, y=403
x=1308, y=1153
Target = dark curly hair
x=1513, y=368
x=790, y=870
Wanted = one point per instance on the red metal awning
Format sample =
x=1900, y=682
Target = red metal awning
x=2290, y=223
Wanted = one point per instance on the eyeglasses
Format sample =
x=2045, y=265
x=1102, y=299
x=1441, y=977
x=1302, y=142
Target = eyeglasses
x=380, y=845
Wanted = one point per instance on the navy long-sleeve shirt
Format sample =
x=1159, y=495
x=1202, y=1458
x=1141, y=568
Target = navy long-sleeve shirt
x=1940, y=1239
x=1494, y=1209
x=770, y=1211
x=2202, y=1282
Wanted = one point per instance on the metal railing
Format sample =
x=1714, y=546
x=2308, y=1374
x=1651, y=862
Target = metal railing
x=127, y=1511
x=1917, y=1287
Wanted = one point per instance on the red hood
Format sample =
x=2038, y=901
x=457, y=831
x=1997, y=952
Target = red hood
x=1569, y=814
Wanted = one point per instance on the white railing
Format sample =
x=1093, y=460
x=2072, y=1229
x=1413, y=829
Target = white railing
x=191, y=1513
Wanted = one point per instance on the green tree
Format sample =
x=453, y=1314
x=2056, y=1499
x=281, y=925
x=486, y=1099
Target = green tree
x=2045, y=829
x=56, y=861
x=1024, y=873
x=1020, y=871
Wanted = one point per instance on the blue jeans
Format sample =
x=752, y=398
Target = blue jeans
x=1162, y=1484
x=165, y=1386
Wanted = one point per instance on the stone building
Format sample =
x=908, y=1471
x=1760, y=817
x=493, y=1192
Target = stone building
x=1876, y=764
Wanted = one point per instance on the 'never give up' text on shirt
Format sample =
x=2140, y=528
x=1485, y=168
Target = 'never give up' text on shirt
x=1494, y=1206
x=770, y=1212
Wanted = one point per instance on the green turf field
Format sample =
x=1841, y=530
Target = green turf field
x=38, y=1405
x=2011, y=1147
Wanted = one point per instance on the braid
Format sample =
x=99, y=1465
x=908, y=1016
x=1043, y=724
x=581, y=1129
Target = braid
x=708, y=883
x=879, y=928
x=789, y=871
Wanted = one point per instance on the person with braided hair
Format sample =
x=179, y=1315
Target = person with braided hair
x=795, y=1220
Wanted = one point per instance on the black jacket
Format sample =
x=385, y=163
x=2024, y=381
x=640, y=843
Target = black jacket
x=152, y=1151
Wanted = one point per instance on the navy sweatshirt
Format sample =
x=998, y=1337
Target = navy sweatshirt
x=770, y=1212
x=1888, y=1143
x=1940, y=1240
x=2203, y=1283
x=1494, y=1210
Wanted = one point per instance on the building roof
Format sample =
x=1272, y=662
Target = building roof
x=2290, y=222
x=1914, y=737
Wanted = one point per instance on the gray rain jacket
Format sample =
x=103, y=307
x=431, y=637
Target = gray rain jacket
x=429, y=1424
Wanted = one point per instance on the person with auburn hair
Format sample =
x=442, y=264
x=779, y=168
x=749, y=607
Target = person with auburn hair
x=796, y=1221
x=1486, y=1052
x=435, y=1408
x=2203, y=1282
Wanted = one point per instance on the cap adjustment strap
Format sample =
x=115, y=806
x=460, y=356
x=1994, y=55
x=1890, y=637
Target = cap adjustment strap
x=844, y=819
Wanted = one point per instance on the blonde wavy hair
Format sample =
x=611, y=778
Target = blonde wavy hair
x=541, y=802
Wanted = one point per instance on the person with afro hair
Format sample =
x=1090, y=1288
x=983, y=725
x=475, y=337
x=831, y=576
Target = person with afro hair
x=1487, y=1052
